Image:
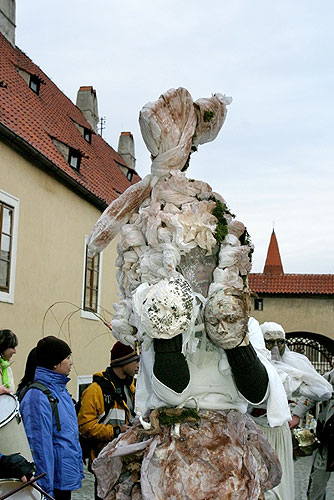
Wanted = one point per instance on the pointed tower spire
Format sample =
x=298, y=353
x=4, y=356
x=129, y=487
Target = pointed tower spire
x=273, y=263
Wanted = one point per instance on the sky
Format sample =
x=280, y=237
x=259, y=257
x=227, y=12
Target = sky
x=273, y=159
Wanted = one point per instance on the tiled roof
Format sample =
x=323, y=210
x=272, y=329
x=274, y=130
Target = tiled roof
x=37, y=119
x=274, y=281
x=297, y=284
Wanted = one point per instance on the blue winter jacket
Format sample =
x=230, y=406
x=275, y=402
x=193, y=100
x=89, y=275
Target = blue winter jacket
x=58, y=453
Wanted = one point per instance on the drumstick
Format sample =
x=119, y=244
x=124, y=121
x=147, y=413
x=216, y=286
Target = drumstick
x=28, y=483
x=38, y=488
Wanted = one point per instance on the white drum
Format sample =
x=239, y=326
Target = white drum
x=27, y=493
x=13, y=438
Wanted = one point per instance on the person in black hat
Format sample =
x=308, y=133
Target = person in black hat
x=107, y=404
x=51, y=423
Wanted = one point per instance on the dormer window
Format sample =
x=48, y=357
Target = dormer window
x=74, y=158
x=34, y=84
x=88, y=135
x=129, y=175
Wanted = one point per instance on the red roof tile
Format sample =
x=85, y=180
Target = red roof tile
x=36, y=119
x=274, y=281
x=315, y=284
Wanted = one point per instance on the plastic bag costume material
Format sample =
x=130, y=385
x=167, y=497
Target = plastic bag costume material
x=297, y=373
x=299, y=378
x=182, y=256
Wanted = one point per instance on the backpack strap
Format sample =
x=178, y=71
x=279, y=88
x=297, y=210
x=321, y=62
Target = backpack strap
x=52, y=400
x=109, y=394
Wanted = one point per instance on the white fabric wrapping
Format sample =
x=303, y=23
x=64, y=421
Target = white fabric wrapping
x=300, y=377
x=211, y=383
x=297, y=373
x=280, y=440
x=278, y=411
x=169, y=127
x=273, y=330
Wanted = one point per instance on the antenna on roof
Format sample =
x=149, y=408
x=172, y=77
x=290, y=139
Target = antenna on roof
x=102, y=124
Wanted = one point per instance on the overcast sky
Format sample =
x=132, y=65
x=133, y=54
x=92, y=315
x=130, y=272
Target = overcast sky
x=273, y=159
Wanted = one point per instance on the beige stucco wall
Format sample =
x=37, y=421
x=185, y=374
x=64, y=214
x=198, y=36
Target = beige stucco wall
x=314, y=315
x=53, y=222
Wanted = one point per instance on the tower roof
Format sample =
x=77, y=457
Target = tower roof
x=273, y=264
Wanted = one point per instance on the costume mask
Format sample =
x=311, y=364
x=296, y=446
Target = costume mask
x=226, y=319
x=276, y=346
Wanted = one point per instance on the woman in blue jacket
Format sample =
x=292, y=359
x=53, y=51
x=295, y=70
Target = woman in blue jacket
x=54, y=441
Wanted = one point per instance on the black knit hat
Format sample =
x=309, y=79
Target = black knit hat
x=122, y=354
x=51, y=351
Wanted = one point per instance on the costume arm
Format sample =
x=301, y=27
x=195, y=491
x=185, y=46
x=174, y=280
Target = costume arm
x=38, y=423
x=92, y=408
x=249, y=374
x=303, y=406
x=170, y=365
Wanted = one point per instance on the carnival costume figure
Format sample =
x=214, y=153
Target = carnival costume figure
x=183, y=261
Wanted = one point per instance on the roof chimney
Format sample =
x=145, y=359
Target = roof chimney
x=87, y=103
x=7, y=20
x=126, y=148
x=273, y=263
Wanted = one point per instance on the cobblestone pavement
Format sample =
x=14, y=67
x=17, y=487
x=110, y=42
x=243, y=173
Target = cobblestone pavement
x=302, y=472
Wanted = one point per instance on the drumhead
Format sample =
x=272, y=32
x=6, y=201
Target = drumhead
x=27, y=493
x=9, y=407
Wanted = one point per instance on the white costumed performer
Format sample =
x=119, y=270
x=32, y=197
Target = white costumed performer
x=299, y=378
x=183, y=263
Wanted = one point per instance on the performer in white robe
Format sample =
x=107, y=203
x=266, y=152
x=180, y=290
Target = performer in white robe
x=299, y=379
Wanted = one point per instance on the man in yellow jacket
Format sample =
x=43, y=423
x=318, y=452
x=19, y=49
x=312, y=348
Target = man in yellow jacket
x=107, y=403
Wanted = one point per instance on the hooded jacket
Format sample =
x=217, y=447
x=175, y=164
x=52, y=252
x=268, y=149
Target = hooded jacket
x=58, y=453
x=92, y=410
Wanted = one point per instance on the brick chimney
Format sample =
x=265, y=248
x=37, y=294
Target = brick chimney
x=7, y=20
x=87, y=103
x=126, y=148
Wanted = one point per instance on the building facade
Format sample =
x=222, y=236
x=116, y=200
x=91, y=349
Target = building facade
x=57, y=175
x=302, y=303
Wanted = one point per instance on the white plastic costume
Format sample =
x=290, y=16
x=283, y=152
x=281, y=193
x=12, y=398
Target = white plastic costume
x=169, y=226
x=297, y=373
x=299, y=379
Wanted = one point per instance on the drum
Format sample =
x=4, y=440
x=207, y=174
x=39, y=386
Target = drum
x=13, y=438
x=27, y=493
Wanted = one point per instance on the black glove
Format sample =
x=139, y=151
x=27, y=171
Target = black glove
x=16, y=466
x=170, y=365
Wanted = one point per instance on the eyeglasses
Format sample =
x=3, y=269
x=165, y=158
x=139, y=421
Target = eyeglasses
x=271, y=343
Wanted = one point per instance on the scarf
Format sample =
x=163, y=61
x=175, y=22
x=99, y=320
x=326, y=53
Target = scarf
x=4, y=372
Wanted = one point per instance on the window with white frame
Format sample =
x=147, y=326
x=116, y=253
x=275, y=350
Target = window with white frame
x=91, y=284
x=9, y=213
x=83, y=381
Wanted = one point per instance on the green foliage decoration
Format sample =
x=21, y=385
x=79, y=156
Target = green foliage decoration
x=219, y=212
x=208, y=115
x=185, y=415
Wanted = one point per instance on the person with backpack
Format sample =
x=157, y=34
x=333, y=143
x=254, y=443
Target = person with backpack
x=107, y=405
x=29, y=374
x=50, y=420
